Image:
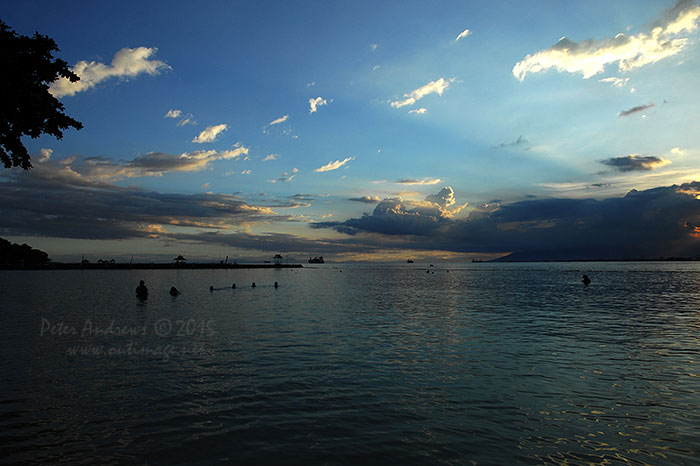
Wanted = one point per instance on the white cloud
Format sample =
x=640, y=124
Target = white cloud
x=589, y=57
x=205, y=186
x=235, y=153
x=270, y=157
x=413, y=181
x=44, y=155
x=419, y=111
x=615, y=81
x=210, y=133
x=433, y=87
x=279, y=120
x=125, y=64
x=284, y=177
x=674, y=151
x=463, y=34
x=334, y=165
x=314, y=103
x=445, y=198
x=188, y=120
x=184, y=119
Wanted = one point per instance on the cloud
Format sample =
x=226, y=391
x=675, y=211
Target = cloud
x=126, y=63
x=270, y=157
x=589, y=57
x=334, y=165
x=656, y=222
x=44, y=155
x=376, y=67
x=279, y=120
x=392, y=215
x=90, y=170
x=366, y=199
x=518, y=142
x=210, y=133
x=315, y=103
x=635, y=162
x=445, y=198
x=463, y=34
x=188, y=120
x=419, y=111
x=637, y=109
x=413, y=181
x=284, y=177
x=615, y=81
x=433, y=87
x=679, y=151
x=66, y=206
x=184, y=119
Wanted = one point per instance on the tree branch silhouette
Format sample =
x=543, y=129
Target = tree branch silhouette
x=26, y=105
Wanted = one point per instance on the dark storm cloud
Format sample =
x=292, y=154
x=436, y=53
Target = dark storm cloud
x=365, y=199
x=392, y=216
x=655, y=222
x=634, y=110
x=61, y=204
x=635, y=162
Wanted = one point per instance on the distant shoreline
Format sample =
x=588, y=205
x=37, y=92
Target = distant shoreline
x=145, y=266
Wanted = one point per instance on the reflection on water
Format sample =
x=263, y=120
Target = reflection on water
x=472, y=364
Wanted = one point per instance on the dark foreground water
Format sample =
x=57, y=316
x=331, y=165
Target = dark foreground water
x=472, y=364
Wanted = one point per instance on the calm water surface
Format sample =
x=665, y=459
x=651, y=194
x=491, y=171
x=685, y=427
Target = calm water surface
x=344, y=364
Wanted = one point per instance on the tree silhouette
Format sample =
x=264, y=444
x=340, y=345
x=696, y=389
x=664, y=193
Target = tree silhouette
x=15, y=254
x=26, y=105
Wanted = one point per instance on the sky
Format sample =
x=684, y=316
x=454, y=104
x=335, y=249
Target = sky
x=442, y=130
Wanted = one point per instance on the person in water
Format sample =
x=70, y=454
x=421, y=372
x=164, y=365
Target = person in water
x=586, y=280
x=211, y=288
x=253, y=284
x=233, y=286
x=277, y=285
x=174, y=291
x=142, y=290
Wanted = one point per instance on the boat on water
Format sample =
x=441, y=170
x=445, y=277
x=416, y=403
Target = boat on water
x=316, y=260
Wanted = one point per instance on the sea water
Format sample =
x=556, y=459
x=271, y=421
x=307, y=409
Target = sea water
x=342, y=364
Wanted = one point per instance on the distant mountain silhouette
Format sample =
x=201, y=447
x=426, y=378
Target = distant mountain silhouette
x=556, y=256
x=15, y=254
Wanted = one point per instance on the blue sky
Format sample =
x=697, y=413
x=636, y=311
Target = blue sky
x=430, y=117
